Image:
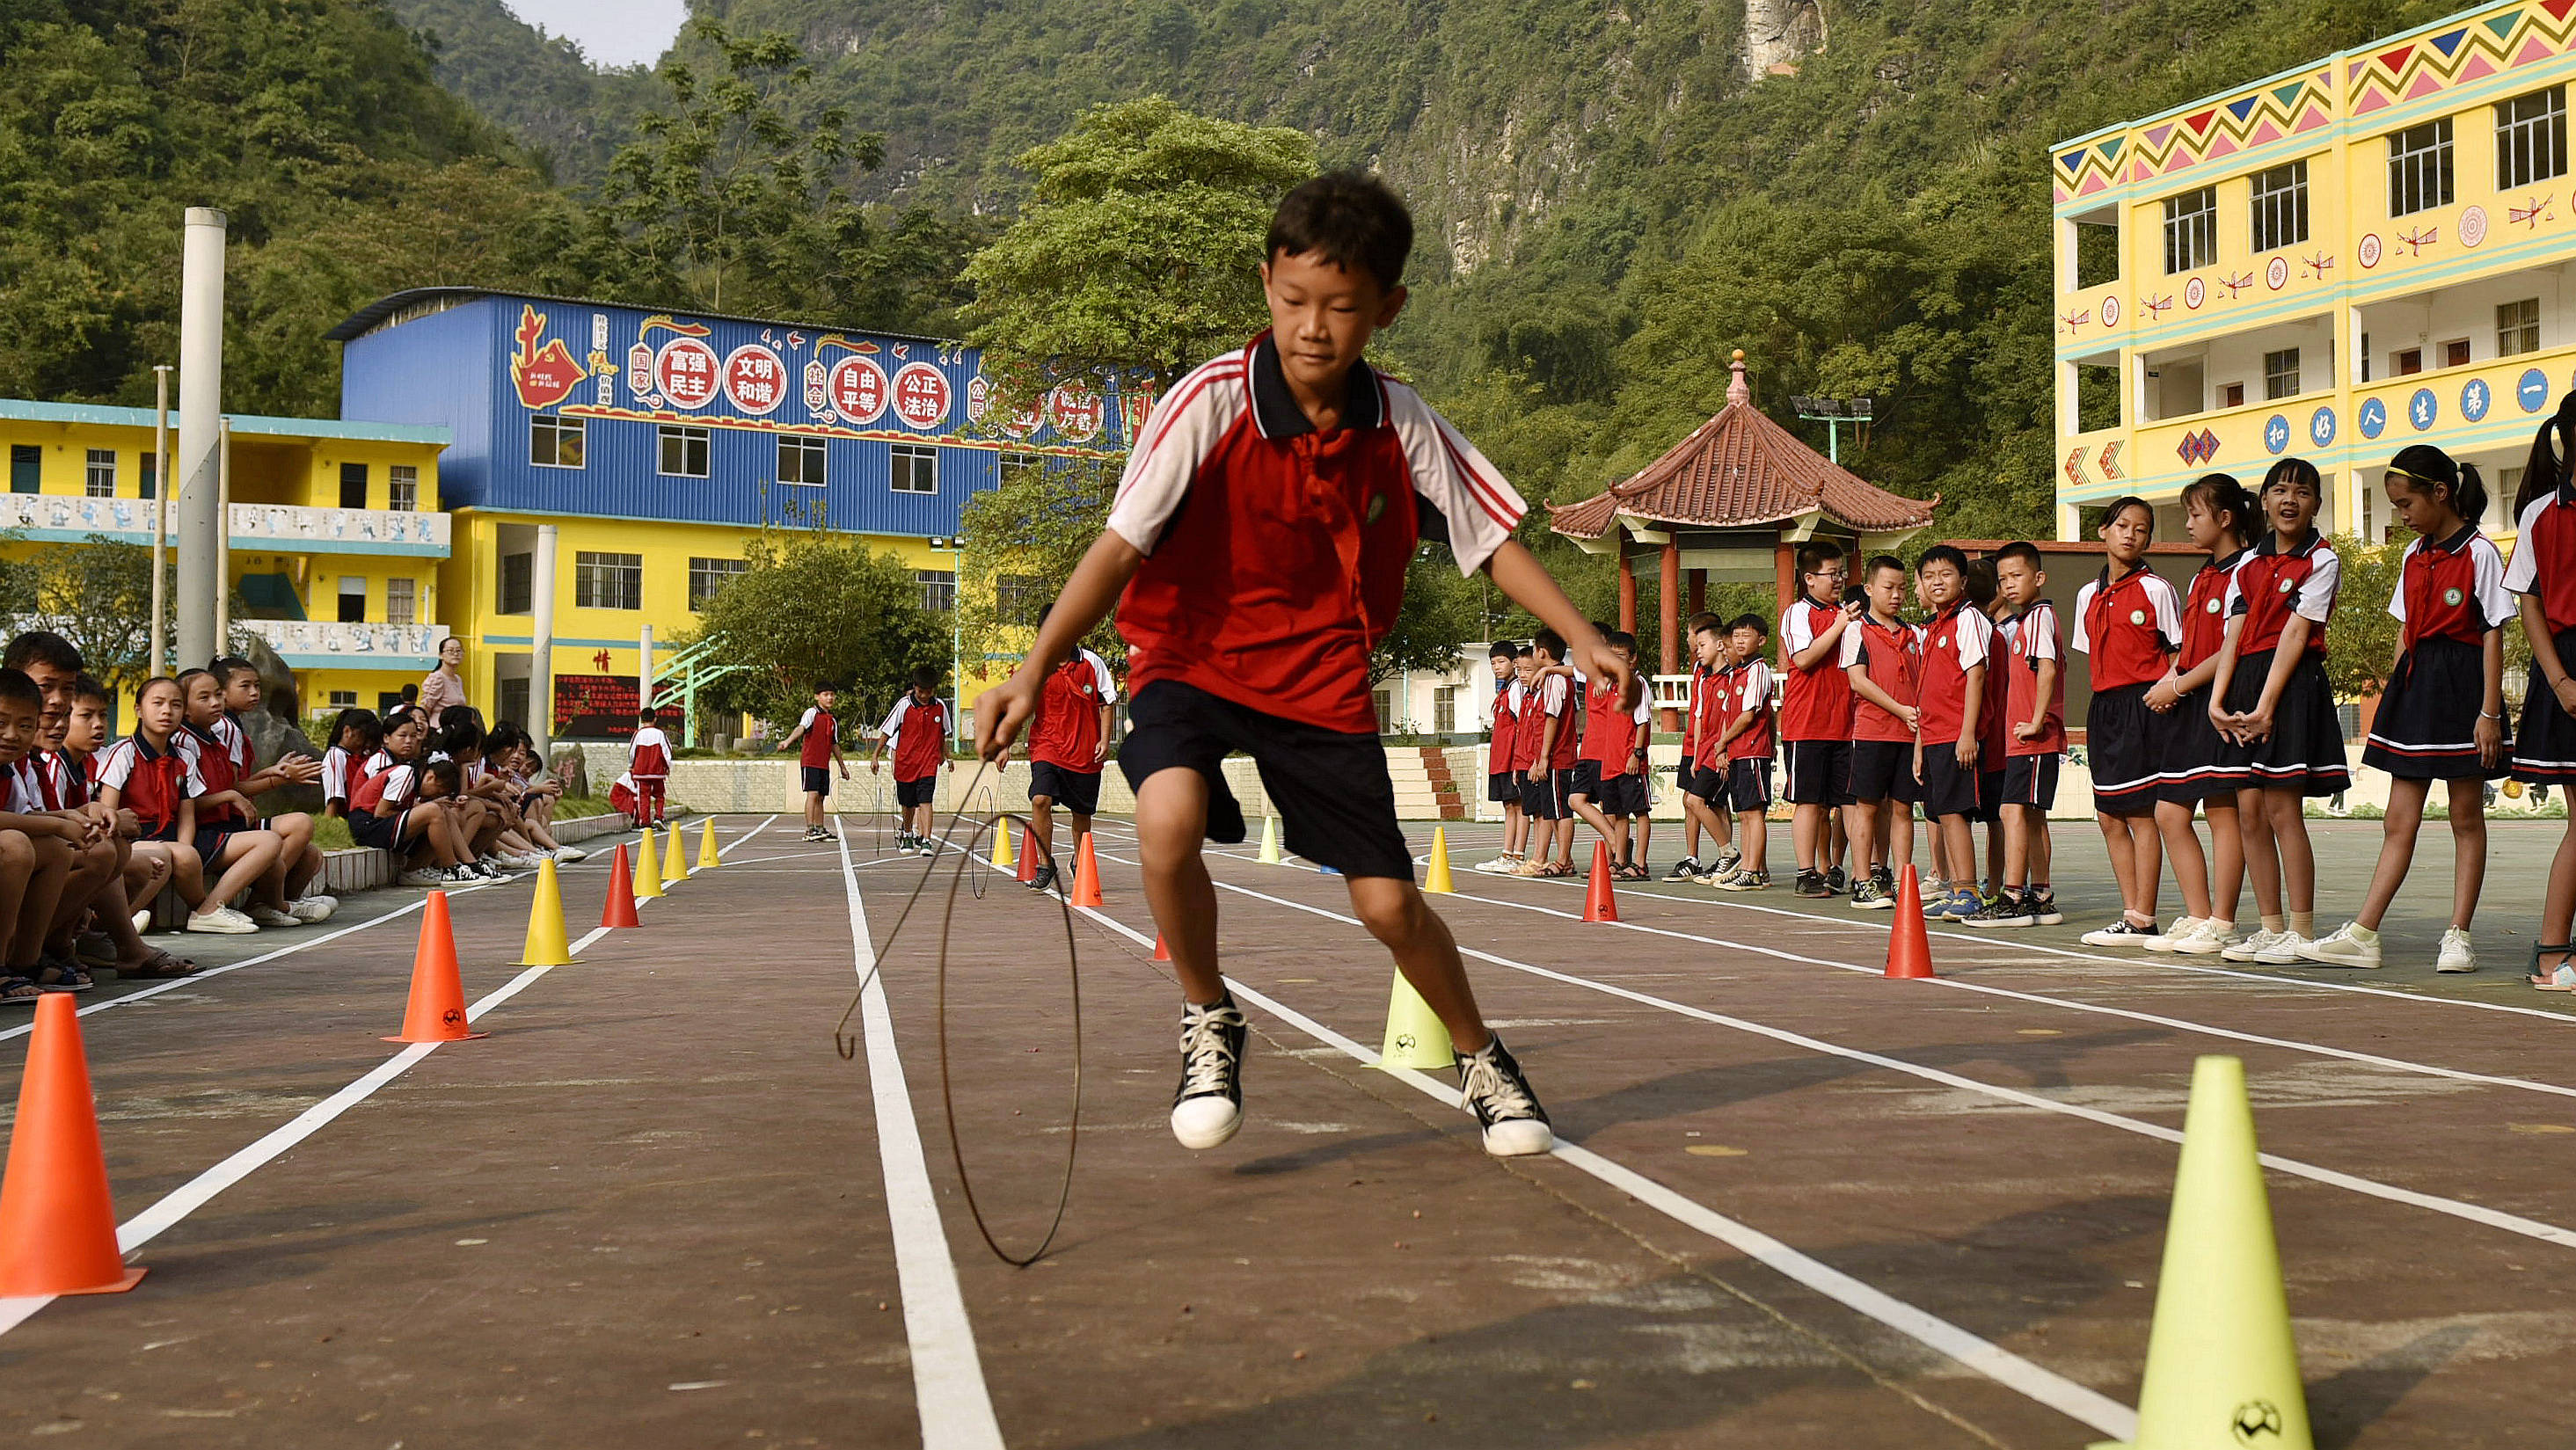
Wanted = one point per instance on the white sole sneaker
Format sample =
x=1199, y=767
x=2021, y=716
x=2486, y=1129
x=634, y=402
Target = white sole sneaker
x=1519, y=1138
x=223, y=923
x=1205, y=1122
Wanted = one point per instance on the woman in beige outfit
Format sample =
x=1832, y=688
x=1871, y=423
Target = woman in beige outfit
x=445, y=686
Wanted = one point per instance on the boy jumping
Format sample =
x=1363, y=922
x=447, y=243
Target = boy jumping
x=1311, y=480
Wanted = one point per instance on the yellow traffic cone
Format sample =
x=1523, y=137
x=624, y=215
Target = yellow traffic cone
x=1004, y=858
x=675, y=855
x=2221, y=1366
x=1436, y=876
x=546, y=944
x=1415, y=1037
x=648, y=868
x=708, y=858
x=1270, y=842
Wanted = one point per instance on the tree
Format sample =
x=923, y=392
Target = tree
x=2364, y=637
x=1030, y=531
x=818, y=609
x=1138, y=250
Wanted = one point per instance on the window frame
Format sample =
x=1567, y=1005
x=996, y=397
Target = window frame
x=709, y=575
x=2522, y=333
x=557, y=428
x=593, y=568
x=518, y=572
x=402, y=488
x=938, y=590
x=690, y=437
x=815, y=453
x=915, y=454
x=2279, y=198
x=2410, y=190
x=2280, y=374
x=345, y=594
x=354, y=476
x=2196, y=228
x=2521, y=139
x=402, y=601
x=95, y=459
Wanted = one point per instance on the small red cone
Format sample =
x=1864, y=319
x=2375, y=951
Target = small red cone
x=1086, y=875
x=1909, y=946
x=620, y=910
x=57, y=1221
x=1600, y=901
x=1162, y=953
x=437, y=1009
x=1028, y=858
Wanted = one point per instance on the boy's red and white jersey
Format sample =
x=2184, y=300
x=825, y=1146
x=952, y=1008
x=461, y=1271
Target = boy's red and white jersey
x=2204, y=611
x=2544, y=556
x=28, y=788
x=2130, y=626
x=2451, y=588
x=1892, y=656
x=1816, y=703
x=236, y=742
x=1543, y=702
x=2274, y=583
x=648, y=753
x=919, y=734
x=1502, y=726
x=1956, y=640
x=1610, y=733
x=2031, y=637
x=1066, y=731
x=151, y=783
x=1286, y=566
x=821, y=733
x=1707, y=716
x=398, y=783
x=1748, y=687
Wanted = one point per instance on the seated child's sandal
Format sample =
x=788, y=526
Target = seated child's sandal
x=159, y=964
x=54, y=974
x=16, y=991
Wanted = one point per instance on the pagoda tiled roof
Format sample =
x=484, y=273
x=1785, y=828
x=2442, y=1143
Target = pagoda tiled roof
x=1737, y=469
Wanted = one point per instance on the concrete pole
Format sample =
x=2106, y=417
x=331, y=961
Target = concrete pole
x=153, y=663
x=223, y=538
x=201, y=387
x=541, y=646
x=644, y=669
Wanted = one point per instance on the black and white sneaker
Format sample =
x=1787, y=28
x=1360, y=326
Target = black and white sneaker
x=1044, y=880
x=1812, y=884
x=1684, y=869
x=1838, y=880
x=1209, y=1104
x=2011, y=908
x=1514, y=1123
x=2043, y=908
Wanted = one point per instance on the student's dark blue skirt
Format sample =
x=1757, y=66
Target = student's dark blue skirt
x=2427, y=724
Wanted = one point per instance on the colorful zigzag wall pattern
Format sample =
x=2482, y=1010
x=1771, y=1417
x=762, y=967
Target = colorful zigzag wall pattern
x=2517, y=36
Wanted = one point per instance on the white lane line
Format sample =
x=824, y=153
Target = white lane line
x=2474, y=1213
x=2001, y=1365
x=956, y=1409
x=194, y=1194
x=2071, y=1004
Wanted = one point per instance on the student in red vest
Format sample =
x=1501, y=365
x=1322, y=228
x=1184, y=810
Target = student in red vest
x=648, y=760
x=2128, y=622
x=2033, y=659
x=820, y=734
x=1816, y=712
x=1547, y=727
x=1609, y=790
x=1502, y=783
x=2441, y=715
x=2217, y=511
x=1068, y=740
x=1745, y=738
x=1957, y=650
x=2543, y=576
x=1883, y=657
x=917, y=729
x=1702, y=773
x=2277, y=710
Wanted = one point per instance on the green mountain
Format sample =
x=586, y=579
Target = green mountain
x=540, y=88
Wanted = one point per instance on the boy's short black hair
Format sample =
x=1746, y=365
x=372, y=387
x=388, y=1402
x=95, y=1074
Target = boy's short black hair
x=90, y=687
x=2024, y=550
x=1950, y=554
x=1704, y=621
x=827, y=688
x=224, y=667
x=17, y=689
x=1348, y=218
x=925, y=677
x=1881, y=561
x=1982, y=587
x=647, y=715
x=446, y=774
x=411, y=694
x=1751, y=621
x=1548, y=642
x=43, y=647
x=1816, y=554
x=1524, y=652
x=1620, y=639
x=1503, y=650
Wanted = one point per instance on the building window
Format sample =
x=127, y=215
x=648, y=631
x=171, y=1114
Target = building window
x=100, y=480
x=518, y=583
x=2419, y=168
x=2531, y=138
x=684, y=451
x=148, y=482
x=2406, y=362
x=2191, y=229
x=2455, y=353
x=2499, y=517
x=1018, y=466
x=353, y=599
x=2281, y=373
x=800, y=460
x=402, y=488
x=555, y=442
x=344, y=699
x=26, y=468
x=1444, y=710
x=398, y=601
x=913, y=469
x=2281, y=207
x=706, y=576
x=514, y=699
x=2231, y=395
x=2517, y=327
x=353, y=485
x=607, y=581
x=938, y=589
x=1017, y=598
x=1385, y=702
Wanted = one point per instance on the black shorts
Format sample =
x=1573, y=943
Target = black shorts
x=1748, y=784
x=1076, y=790
x=1587, y=780
x=1990, y=789
x=1622, y=795
x=1947, y=789
x=2031, y=780
x=1543, y=799
x=1504, y=786
x=1883, y=770
x=911, y=793
x=818, y=780
x=383, y=833
x=1820, y=773
x=1335, y=801
x=1708, y=782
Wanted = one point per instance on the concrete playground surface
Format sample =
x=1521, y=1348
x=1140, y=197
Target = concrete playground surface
x=657, y=1206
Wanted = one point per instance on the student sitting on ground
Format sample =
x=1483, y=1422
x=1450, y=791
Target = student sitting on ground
x=124, y=915
x=43, y=855
x=299, y=862
x=150, y=773
x=355, y=735
x=227, y=820
x=397, y=812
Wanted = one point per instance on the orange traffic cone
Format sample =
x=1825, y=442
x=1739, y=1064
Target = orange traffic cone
x=1086, y=875
x=57, y=1222
x=1028, y=858
x=620, y=910
x=1600, y=902
x=1162, y=953
x=1909, y=946
x=437, y=1010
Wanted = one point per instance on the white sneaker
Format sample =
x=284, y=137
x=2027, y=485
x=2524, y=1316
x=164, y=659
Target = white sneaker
x=569, y=854
x=223, y=921
x=1498, y=866
x=142, y=922
x=2342, y=947
x=2244, y=948
x=2206, y=940
x=2285, y=950
x=2167, y=941
x=2456, y=955
x=432, y=877
x=264, y=915
x=310, y=909
x=1208, y=1107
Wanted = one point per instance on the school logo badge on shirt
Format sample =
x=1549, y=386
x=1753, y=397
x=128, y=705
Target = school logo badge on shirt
x=2137, y=616
x=2212, y=606
x=2288, y=584
x=2450, y=596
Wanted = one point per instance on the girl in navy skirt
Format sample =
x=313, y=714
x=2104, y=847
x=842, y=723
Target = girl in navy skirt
x=2217, y=513
x=2126, y=622
x=2441, y=716
x=2275, y=710
x=2543, y=574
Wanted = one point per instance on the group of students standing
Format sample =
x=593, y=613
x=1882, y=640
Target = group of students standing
x=2207, y=702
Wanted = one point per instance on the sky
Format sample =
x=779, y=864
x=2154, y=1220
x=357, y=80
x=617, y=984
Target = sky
x=611, y=32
